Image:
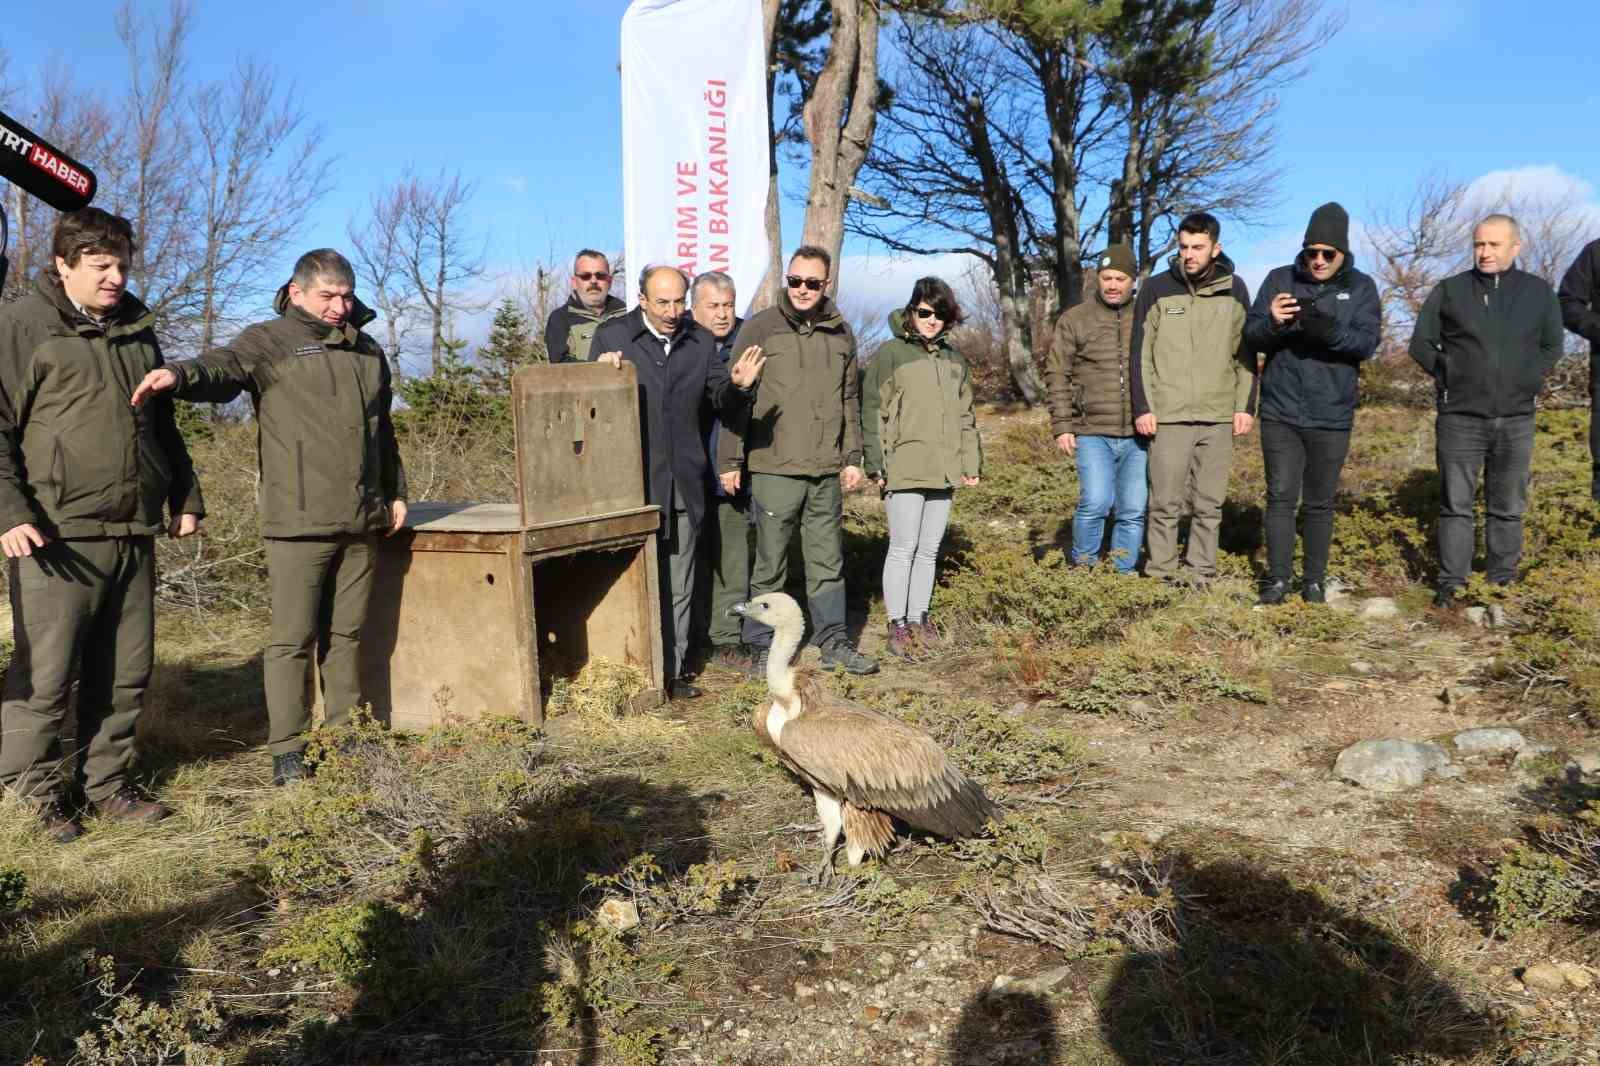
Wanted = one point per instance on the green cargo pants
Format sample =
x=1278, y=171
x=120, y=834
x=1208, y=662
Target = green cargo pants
x=84, y=608
x=729, y=552
x=814, y=505
x=1189, y=464
x=320, y=589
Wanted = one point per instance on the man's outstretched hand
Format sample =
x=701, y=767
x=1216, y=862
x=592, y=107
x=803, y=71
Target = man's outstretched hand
x=158, y=380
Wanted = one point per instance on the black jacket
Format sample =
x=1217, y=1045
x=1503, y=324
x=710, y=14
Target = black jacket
x=1313, y=361
x=674, y=391
x=1488, y=340
x=714, y=432
x=1580, y=302
x=570, y=329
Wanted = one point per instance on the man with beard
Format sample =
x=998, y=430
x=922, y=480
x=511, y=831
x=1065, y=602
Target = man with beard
x=570, y=330
x=1194, y=386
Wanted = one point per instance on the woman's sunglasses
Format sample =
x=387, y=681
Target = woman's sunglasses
x=928, y=312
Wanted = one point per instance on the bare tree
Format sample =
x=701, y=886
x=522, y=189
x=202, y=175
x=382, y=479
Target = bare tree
x=1415, y=245
x=840, y=115
x=382, y=271
x=434, y=251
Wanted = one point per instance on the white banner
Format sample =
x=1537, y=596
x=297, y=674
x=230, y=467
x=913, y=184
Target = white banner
x=694, y=140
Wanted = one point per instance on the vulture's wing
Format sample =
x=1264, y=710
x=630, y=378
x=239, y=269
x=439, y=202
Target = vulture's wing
x=880, y=763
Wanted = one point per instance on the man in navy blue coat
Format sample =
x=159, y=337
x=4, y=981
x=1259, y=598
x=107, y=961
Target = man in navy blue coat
x=680, y=375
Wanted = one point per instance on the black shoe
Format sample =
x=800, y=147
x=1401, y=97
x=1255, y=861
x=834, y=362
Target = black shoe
x=59, y=823
x=1273, y=592
x=1446, y=597
x=839, y=653
x=682, y=689
x=289, y=767
x=1313, y=592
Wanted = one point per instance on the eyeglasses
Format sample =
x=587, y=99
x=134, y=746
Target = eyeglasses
x=593, y=275
x=813, y=284
x=928, y=312
x=1330, y=254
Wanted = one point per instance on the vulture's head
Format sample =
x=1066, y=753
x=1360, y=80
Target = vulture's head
x=774, y=609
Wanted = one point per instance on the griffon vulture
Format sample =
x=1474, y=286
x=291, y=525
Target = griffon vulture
x=864, y=768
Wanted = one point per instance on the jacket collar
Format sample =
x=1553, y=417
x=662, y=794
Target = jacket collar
x=824, y=316
x=130, y=316
x=611, y=306
x=345, y=335
x=1218, y=276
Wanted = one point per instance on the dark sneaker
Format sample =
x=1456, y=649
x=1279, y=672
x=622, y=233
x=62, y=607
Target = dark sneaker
x=681, y=688
x=1313, y=592
x=902, y=641
x=59, y=823
x=732, y=656
x=1273, y=593
x=289, y=767
x=126, y=805
x=757, y=667
x=1446, y=597
x=840, y=653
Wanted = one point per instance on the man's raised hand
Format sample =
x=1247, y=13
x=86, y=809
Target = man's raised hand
x=161, y=379
x=747, y=368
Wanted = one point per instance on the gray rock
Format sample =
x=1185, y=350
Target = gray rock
x=1360, y=667
x=1389, y=765
x=1456, y=695
x=618, y=915
x=1477, y=616
x=1489, y=741
x=1379, y=607
x=1497, y=616
x=1042, y=983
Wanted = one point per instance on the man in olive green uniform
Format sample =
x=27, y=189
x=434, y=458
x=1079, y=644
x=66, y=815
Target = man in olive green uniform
x=1194, y=390
x=570, y=329
x=331, y=481
x=801, y=446
x=82, y=481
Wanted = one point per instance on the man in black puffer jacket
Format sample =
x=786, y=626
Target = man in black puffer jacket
x=1580, y=309
x=1316, y=321
x=1487, y=336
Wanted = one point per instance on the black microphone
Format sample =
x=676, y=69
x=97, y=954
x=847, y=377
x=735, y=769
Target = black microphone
x=38, y=167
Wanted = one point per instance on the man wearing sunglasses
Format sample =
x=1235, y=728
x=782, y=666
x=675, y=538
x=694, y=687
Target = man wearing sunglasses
x=570, y=330
x=801, y=449
x=1316, y=321
x=1487, y=336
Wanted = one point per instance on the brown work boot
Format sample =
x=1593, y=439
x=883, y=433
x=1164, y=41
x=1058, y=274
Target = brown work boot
x=902, y=641
x=59, y=823
x=927, y=634
x=126, y=805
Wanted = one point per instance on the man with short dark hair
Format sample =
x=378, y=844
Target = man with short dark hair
x=569, y=331
x=680, y=376
x=83, y=478
x=802, y=450
x=1487, y=336
x=1580, y=311
x=330, y=483
x=1316, y=321
x=1194, y=386
x=728, y=538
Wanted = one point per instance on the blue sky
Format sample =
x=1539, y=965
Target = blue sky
x=524, y=99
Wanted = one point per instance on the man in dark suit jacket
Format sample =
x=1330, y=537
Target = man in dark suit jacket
x=679, y=375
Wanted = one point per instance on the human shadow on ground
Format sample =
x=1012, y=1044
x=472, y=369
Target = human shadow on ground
x=1005, y=1029
x=492, y=927
x=1263, y=970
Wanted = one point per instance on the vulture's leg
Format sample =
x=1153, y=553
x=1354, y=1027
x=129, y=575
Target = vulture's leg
x=832, y=816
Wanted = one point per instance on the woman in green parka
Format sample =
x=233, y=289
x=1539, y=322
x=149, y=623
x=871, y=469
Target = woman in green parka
x=921, y=441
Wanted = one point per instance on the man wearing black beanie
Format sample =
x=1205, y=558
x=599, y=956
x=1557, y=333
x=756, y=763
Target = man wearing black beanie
x=1316, y=321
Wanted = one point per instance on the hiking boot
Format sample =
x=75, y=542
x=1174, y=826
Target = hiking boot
x=838, y=652
x=1273, y=592
x=681, y=688
x=902, y=640
x=732, y=656
x=1313, y=592
x=126, y=805
x=1446, y=597
x=289, y=767
x=59, y=823
x=757, y=666
x=927, y=634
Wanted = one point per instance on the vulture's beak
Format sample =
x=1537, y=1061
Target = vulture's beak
x=740, y=609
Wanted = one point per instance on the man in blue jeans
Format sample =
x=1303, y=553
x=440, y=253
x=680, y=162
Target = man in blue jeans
x=1487, y=336
x=1091, y=413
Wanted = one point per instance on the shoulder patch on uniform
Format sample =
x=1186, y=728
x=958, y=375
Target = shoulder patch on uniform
x=308, y=349
x=1174, y=310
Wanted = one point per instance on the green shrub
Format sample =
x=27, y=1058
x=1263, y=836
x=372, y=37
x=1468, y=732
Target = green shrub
x=13, y=890
x=134, y=1030
x=348, y=940
x=1532, y=887
x=1003, y=587
x=1165, y=677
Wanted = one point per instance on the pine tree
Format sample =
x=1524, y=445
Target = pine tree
x=510, y=346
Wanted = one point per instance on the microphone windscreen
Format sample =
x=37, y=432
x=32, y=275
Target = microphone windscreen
x=35, y=166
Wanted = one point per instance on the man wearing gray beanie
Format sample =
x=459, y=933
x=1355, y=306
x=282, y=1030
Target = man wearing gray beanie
x=1316, y=321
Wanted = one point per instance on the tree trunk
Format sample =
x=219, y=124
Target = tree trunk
x=768, y=292
x=840, y=118
x=438, y=305
x=1061, y=79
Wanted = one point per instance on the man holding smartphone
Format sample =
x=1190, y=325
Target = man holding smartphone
x=1316, y=321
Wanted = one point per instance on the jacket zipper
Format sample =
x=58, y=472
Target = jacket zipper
x=300, y=471
x=1122, y=372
